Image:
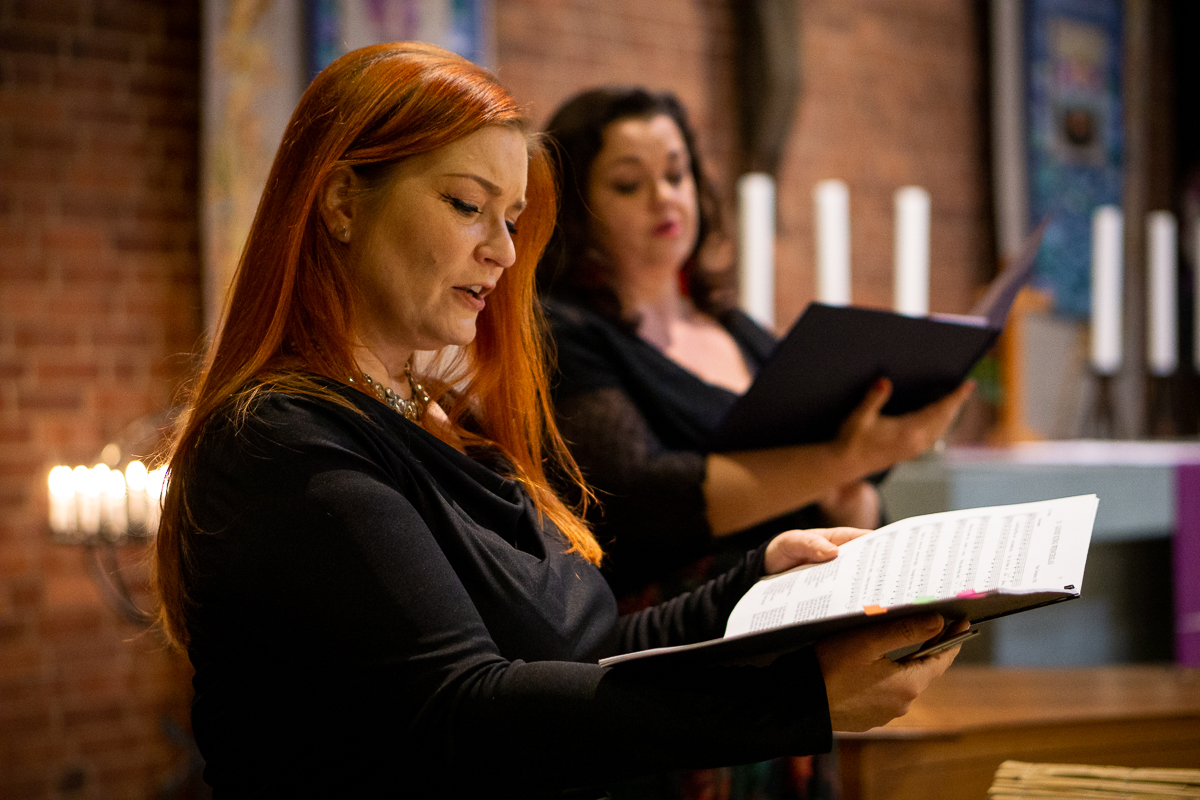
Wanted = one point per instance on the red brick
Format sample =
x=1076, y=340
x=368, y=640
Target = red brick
x=23, y=39
x=21, y=660
x=31, y=334
x=40, y=401
x=11, y=370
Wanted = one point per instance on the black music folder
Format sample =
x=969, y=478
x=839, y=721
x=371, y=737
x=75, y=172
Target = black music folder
x=821, y=370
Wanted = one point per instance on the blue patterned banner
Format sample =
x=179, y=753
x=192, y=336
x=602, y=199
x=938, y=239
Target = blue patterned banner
x=1075, y=138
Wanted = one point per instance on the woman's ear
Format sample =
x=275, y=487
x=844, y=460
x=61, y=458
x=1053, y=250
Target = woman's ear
x=337, y=203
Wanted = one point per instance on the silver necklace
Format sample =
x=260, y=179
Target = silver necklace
x=412, y=409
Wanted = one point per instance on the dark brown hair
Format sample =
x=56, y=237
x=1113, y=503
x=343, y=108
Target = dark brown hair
x=576, y=136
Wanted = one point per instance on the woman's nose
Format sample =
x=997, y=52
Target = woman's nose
x=664, y=190
x=499, y=247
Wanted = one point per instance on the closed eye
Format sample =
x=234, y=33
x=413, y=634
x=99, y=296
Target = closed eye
x=461, y=206
x=512, y=227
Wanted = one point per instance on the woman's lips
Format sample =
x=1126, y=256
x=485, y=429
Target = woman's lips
x=668, y=228
x=473, y=295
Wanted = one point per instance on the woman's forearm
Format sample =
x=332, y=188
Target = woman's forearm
x=745, y=488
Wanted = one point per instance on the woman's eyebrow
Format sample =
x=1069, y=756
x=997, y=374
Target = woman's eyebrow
x=488, y=186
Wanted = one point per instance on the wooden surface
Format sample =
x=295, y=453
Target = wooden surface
x=974, y=717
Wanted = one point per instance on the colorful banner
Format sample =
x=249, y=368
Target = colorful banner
x=1073, y=93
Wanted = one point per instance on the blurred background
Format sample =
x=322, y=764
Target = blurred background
x=135, y=136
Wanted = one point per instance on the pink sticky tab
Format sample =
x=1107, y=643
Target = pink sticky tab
x=970, y=593
x=873, y=610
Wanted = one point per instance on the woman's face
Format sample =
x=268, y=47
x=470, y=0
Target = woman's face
x=643, y=199
x=437, y=241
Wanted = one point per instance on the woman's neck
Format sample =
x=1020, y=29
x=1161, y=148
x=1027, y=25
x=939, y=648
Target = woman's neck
x=659, y=308
x=389, y=372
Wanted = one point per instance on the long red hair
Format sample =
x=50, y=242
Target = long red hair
x=291, y=314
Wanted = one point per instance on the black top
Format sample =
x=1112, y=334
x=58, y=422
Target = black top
x=379, y=614
x=639, y=425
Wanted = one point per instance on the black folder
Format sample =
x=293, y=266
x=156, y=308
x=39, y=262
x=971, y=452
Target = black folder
x=821, y=370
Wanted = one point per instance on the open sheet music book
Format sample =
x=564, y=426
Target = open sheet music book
x=975, y=564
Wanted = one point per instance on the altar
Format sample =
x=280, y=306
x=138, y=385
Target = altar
x=1149, y=492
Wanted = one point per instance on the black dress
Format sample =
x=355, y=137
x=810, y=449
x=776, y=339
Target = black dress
x=639, y=425
x=376, y=614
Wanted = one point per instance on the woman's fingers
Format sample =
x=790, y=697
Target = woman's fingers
x=865, y=688
x=870, y=408
x=793, y=548
x=872, y=441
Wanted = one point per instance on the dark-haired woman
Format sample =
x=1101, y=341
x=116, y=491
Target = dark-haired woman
x=652, y=354
x=379, y=591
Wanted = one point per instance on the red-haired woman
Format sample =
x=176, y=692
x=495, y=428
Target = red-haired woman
x=378, y=590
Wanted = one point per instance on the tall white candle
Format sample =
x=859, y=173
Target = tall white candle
x=155, y=486
x=87, y=498
x=1107, y=269
x=912, y=251
x=756, y=247
x=115, y=512
x=62, y=501
x=135, y=480
x=1162, y=238
x=832, y=201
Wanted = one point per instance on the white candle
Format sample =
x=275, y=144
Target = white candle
x=832, y=201
x=135, y=480
x=156, y=484
x=87, y=497
x=115, y=513
x=1107, y=269
x=912, y=251
x=756, y=247
x=1162, y=352
x=63, y=519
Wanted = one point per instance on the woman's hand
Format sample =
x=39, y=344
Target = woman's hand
x=855, y=505
x=873, y=441
x=865, y=688
x=793, y=548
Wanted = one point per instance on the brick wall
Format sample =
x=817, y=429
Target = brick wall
x=893, y=95
x=99, y=293
x=550, y=49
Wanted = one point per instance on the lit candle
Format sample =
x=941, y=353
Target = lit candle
x=832, y=201
x=1107, y=269
x=63, y=520
x=756, y=246
x=1162, y=352
x=135, y=480
x=87, y=496
x=911, y=274
x=114, y=513
x=156, y=484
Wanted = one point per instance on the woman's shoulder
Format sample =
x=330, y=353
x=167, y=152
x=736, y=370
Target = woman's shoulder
x=591, y=351
x=749, y=335
x=268, y=421
x=572, y=320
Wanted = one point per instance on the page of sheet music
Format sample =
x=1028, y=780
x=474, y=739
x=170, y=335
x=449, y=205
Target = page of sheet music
x=1018, y=548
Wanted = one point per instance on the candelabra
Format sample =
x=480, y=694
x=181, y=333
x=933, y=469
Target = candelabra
x=113, y=504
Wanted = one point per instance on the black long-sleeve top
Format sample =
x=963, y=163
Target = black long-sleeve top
x=639, y=424
x=378, y=614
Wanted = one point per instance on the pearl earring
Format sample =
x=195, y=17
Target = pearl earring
x=344, y=233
